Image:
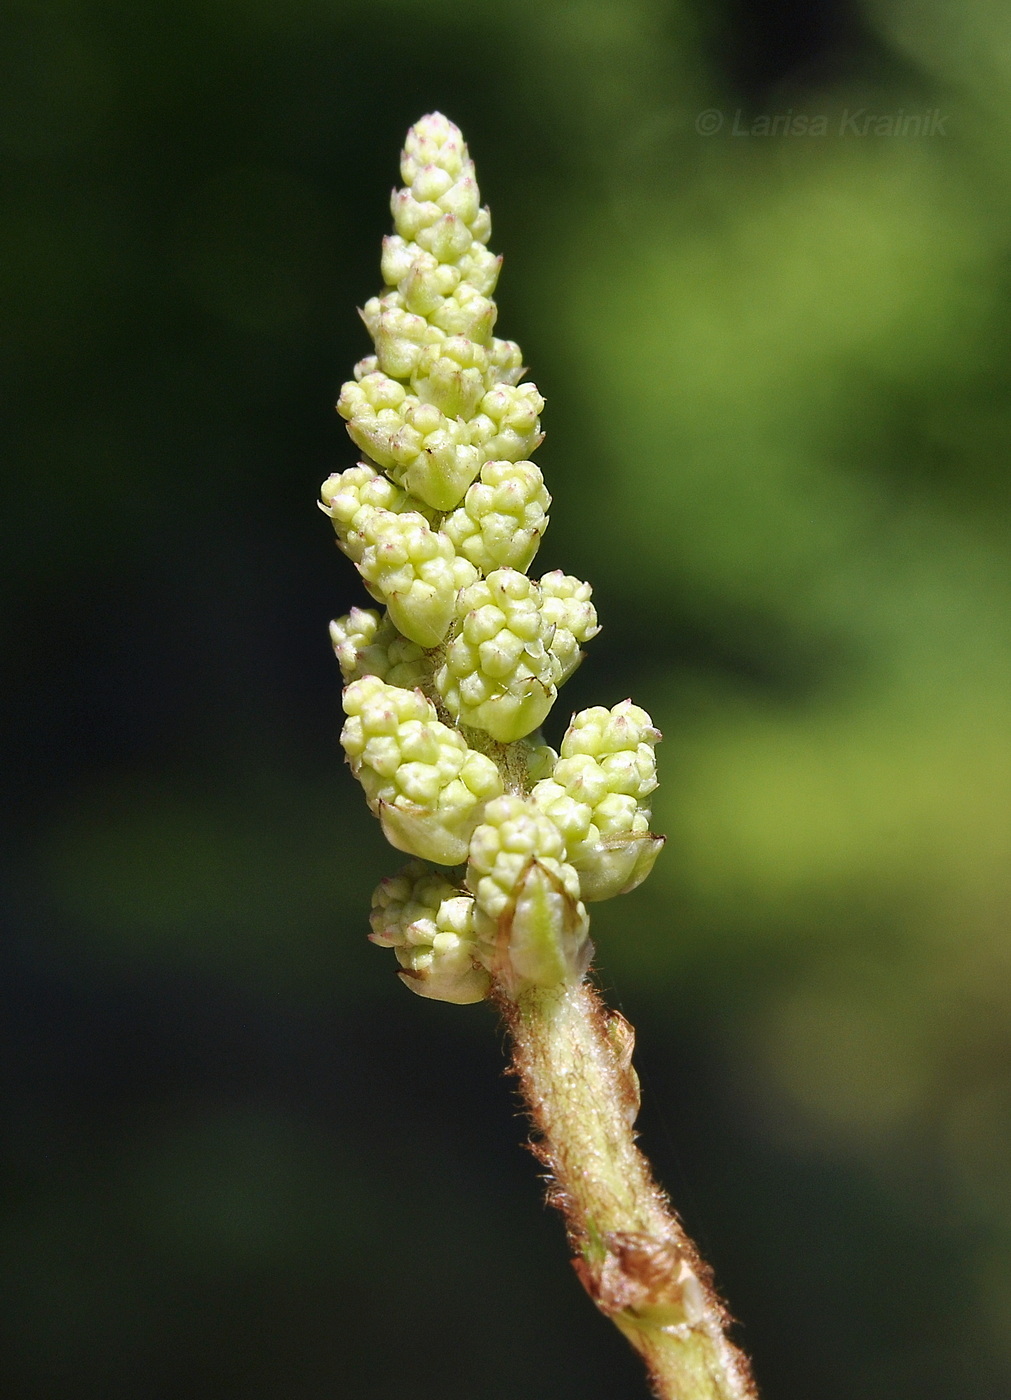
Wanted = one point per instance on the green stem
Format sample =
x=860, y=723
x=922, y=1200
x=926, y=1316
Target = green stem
x=573, y=1059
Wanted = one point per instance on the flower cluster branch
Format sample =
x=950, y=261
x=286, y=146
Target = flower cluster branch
x=447, y=684
x=447, y=689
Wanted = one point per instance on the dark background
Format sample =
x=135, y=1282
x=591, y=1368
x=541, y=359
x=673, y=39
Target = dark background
x=238, y=1158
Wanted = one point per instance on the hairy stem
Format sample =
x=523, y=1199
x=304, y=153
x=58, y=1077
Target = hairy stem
x=573, y=1059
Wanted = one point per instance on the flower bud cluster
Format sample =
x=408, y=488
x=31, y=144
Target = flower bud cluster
x=441, y=396
x=597, y=795
x=515, y=643
x=567, y=608
x=430, y=924
x=425, y=784
x=415, y=571
x=499, y=673
x=445, y=691
x=502, y=517
x=368, y=645
x=351, y=498
x=532, y=926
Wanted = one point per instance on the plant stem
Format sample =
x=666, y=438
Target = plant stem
x=573, y=1059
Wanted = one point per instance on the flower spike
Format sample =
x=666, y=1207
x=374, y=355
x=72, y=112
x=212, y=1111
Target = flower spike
x=443, y=518
x=447, y=683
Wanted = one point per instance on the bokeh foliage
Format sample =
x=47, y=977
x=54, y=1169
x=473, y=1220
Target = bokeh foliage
x=239, y=1160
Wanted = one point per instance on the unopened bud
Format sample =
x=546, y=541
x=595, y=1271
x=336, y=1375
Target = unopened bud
x=566, y=605
x=425, y=784
x=415, y=571
x=367, y=645
x=533, y=929
x=499, y=674
x=430, y=925
x=502, y=518
x=596, y=796
x=350, y=498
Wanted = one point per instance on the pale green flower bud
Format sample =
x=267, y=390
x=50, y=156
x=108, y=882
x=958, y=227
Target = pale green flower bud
x=415, y=571
x=447, y=239
x=398, y=258
x=512, y=831
x=508, y=426
x=438, y=209
x=532, y=927
x=506, y=360
x=373, y=394
x=425, y=452
x=434, y=140
x=464, y=405
x=499, y=674
x=568, y=808
x=609, y=844
x=481, y=227
x=420, y=778
x=567, y=606
x=502, y=517
x=622, y=740
x=453, y=375
x=432, y=453
x=430, y=924
x=423, y=283
x=353, y=637
x=467, y=312
x=620, y=863
x=440, y=206
x=352, y=497
x=462, y=199
x=412, y=216
x=431, y=182
x=440, y=187
x=399, y=335
x=596, y=797
x=480, y=269
x=545, y=939
x=427, y=283
x=367, y=645
x=463, y=353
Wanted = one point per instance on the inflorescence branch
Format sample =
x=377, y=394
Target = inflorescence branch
x=445, y=692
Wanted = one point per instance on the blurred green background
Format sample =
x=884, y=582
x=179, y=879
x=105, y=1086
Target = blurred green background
x=238, y=1159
